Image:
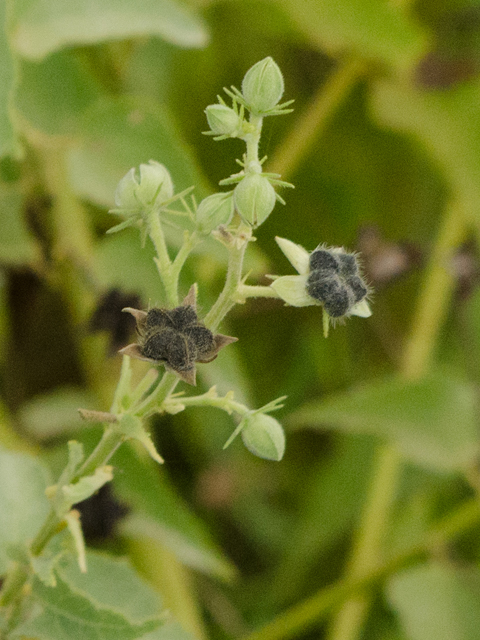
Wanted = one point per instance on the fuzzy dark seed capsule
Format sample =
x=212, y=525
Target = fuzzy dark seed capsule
x=183, y=317
x=174, y=336
x=324, y=260
x=358, y=288
x=331, y=292
x=157, y=318
x=348, y=264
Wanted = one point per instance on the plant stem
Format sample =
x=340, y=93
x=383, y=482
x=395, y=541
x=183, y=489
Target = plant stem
x=255, y=291
x=432, y=306
x=315, y=609
x=311, y=124
x=207, y=400
x=163, y=262
x=228, y=298
x=165, y=387
x=14, y=582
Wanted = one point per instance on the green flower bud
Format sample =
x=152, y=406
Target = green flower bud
x=254, y=199
x=263, y=86
x=214, y=211
x=263, y=436
x=223, y=120
x=141, y=189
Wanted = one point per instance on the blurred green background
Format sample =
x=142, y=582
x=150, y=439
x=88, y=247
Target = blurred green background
x=384, y=150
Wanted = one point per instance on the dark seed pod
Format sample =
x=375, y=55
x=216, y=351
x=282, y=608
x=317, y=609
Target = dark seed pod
x=175, y=338
x=202, y=339
x=358, y=288
x=324, y=260
x=180, y=357
x=331, y=292
x=183, y=317
x=156, y=345
x=157, y=318
x=348, y=264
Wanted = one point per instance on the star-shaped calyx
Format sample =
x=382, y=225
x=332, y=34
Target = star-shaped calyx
x=175, y=338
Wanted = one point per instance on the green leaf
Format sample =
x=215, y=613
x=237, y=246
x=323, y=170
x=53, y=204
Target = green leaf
x=40, y=27
x=54, y=94
x=379, y=30
x=112, y=583
x=433, y=421
x=23, y=481
x=119, y=134
x=17, y=244
x=132, y=427
x=74, y=493
x=7, y=77
x=437, y=601
x=160, y=513
x=54, y=414
x=447, y=122
x=65, y=614
x=44, y=565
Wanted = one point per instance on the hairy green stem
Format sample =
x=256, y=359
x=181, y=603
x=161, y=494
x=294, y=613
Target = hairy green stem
x=163, y=261
x=318, y=607
x=228, y=298
x=432, y=307
x=208, y=400
x=255, y=291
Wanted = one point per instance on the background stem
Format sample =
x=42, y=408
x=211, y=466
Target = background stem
x=432, y=307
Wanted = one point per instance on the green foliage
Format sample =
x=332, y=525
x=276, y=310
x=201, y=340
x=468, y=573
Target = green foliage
x=415, y=416
x=22, y=501
x=39, y=28
x=374, y=492
x=437, y=601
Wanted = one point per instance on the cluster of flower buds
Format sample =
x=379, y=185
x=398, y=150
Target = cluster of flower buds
x=254, y=196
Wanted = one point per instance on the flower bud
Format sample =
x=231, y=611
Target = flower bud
x=263, y=436
x=214, y=211
x=254, y=199
x=141, y=189
x=222, y=120
x=262, y=86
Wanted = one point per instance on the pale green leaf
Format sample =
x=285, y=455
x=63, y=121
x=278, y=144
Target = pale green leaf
x=447, y=123
x=44, y=566
x=160, y=513
x=84, y=488
x=64, y=614
x=122, y=133
x=437, y=602
x=112, y=583
x=378, y=30
x=23, y=504
x=53, y=414
x=40, y=27
x=433, y=421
